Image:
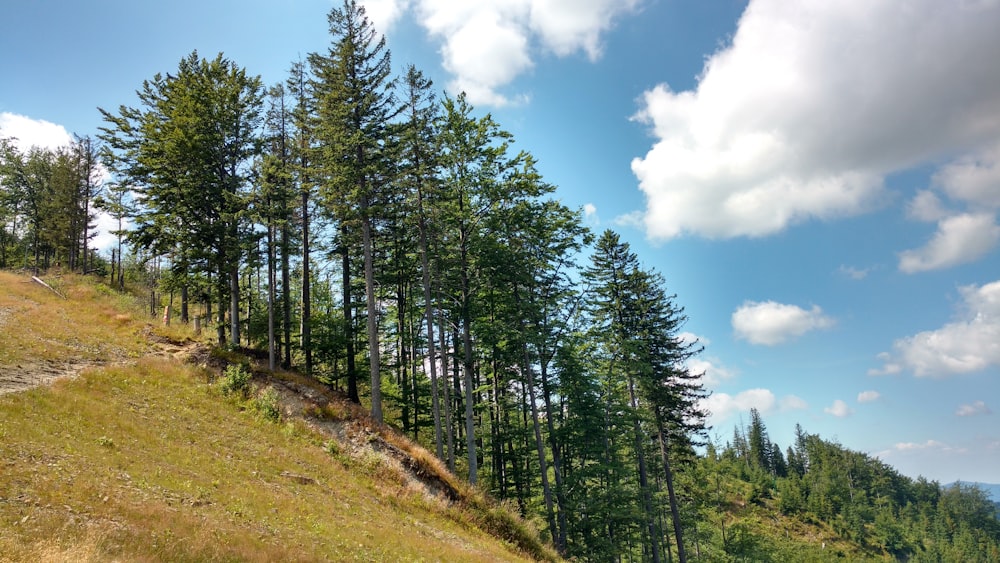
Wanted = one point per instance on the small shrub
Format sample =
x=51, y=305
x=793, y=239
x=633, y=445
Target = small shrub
x=268, y=405
x=235, y=381
x=106, y=442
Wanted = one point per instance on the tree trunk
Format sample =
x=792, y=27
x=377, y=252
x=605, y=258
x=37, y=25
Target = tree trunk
x=306, y=327
x=643, y=474
x=271, y=352
x=373, y=343
x=286, y=296
x=352, y=371
x=674, y=511
x=429, y=314
x=234, y=304
x=446, y=399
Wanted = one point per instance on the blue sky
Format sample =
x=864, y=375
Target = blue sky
x=817, y=181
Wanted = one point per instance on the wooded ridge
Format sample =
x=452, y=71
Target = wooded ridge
x=399, y=248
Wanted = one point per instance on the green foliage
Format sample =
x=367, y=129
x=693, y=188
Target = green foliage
x=858, y=504
x=235, y=381
x=267, y=404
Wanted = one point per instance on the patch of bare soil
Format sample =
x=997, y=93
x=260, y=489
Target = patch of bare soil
x=24, y=376
x=356, y=437
x=28, y=375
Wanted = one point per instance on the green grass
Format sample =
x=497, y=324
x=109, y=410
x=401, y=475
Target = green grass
x=147, y=461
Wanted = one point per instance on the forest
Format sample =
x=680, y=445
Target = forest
x=389, y=241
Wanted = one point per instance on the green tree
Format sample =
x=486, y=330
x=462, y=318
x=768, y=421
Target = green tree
x=186, y=151
x=355, y=104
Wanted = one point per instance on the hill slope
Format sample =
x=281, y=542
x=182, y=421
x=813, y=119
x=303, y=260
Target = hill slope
x=140, y=457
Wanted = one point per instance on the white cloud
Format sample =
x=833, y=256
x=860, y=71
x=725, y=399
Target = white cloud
x=486, y=44
x=771, y=323
x=714, y=373
x=959, y=239
x=793, y=403
x=692, y=338
x=969, y=344
x=811, y=106
x=566, y=26
x=854, y=273
x=633, y=220
x=590, y=214
x=973, y=178
x=723, y=405
x=33, y=132
x=385, y=13
x=926, y=206
x=869, y=396
x=928, y=445
x=839, y=409
x=976, y=408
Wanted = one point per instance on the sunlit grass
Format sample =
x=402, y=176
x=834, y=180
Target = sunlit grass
x=144, y=460
x=92, y=323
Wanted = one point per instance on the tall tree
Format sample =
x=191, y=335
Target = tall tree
x=186, y=152
x=297, y=85
x=419, y=175
x=355, y=103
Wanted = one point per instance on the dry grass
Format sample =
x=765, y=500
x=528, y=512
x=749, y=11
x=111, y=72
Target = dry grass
x=38, y=325
x=146, y=461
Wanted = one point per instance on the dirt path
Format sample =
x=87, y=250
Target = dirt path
x=25, y=376
x=28, y=375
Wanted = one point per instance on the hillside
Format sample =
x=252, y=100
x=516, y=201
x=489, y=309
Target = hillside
x=119, y=441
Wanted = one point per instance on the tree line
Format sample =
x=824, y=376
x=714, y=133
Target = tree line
x=398, y=246
x=859, y=498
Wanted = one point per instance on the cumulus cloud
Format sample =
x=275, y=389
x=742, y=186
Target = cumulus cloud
x=839, y=409
x=723, y=405
x=976, y=408
x=385, y=13
x=969, y=344
x=809, y=108
x=486, y=44
x=713, y=371
x=869, y=396
x=959, y=239
x=30, y=132
x=769, y=323
x=973, y=178
x=590, y=214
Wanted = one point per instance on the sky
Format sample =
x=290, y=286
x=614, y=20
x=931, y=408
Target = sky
x=818, y=182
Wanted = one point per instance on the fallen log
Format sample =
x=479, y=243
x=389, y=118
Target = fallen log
x=54, y=290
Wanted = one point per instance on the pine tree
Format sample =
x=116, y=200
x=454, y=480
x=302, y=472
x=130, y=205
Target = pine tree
x=355, y=104
x=186, y=153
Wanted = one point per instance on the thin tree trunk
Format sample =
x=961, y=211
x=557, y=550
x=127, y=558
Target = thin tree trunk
x=352, y=372
x=373, y=344
x=643, y=474
x=234, y=304
x=286, y=294
x=429, y=314
x=449, y=433
x=306, y=328
x=271, y=352
x=674, y=511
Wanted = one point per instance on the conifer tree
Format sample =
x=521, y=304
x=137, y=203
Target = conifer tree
x=355, y=104
x=186, y=152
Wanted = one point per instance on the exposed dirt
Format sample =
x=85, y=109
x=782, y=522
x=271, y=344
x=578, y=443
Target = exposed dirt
x=27, y=375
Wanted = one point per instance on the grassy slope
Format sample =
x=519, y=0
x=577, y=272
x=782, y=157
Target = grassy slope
x=143, y=460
